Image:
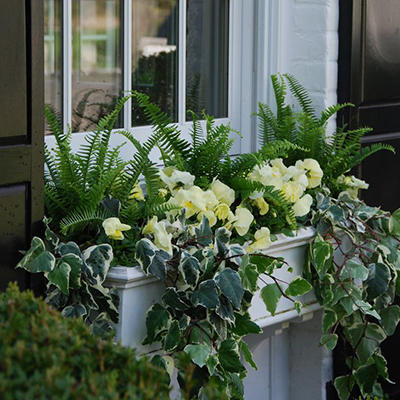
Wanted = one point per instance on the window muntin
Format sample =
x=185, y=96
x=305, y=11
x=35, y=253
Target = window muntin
x=96, y=61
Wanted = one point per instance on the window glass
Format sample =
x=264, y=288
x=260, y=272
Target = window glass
x=155, y=55
x=207, y=44
x=53, y=55
x=96, y=61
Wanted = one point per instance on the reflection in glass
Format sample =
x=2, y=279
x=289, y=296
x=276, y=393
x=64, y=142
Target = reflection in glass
x=207, y=57
x=96, y=61
x=53, y=55
x=154, y=55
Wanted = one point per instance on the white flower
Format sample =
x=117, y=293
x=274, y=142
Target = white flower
x=267, y=175
x=211, y=199
x=278, y=163
x=243, y=220
x=149, y=228
x=223, y=193
x=302, y=206
x=162, y=239
x=313, y=171
x=174, y=179
x=212, y=219
x=297, y=175
x=136, y=193
x=292, y=191
x=262, y=205
x=222, y=211
x=262, y=240
x=353, y=185
x=193, y=200
x=114, y=228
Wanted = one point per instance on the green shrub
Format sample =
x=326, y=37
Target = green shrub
x=44, y=355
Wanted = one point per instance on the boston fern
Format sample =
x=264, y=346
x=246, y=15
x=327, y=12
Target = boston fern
x=353, y=265
x=338, y=153
x=204, y=311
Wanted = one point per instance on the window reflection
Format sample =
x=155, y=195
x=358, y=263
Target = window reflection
x=207, y=56
x=53, y=56
x=96, y=61
x=154, y=55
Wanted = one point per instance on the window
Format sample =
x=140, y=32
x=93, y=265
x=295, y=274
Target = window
x=176, y=51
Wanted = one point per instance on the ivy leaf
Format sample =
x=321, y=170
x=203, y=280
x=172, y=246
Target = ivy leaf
x=249, y=276
x=271, y=295
x=236, y=254
x=229, y=283
x=220, y=326
x=266, y=265
x=322, y=256
x=212, y=362
x=373, y=336
x=229, y=356
x=97, y=262
x=173, y=337
x=342, y=385
x=378, y=280
x=107, y=301
x=176, y=300
x=204, y=233
x=37, y=259
x=394, y=223
x=366, y=376
x=158, y=319
x=76, y=264
x=244, y=325
x=69, y=248
x=221, y=241
x=59, y=276
x=145, y=251
x=298, y=287
x=184, y=322
x=190, y=271
x=354, y=269
x=76, y=311
x=225, y=310
x=201, y=333
x=198, y=353
x=248, y=357
x=390, y=317
x=158, y=264
x=206, y=295
x=329, y=340
x=330, y=318
x=381, y=365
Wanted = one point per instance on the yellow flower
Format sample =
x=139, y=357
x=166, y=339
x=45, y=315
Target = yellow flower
x=193, y=200
x=113, y=228
x=136, y=193
x=353, y=185
x=222, y=211
x=223, y=192
x=162, y=239
x=175, y=179
x=267, y=175
x=262, y=205
x=262, y=240
x=162, y=192
x=211, y=199
x=149, y=228
x=278, y=163
x=212, y=219
x=292, y=191
x=243, y=220
x=302, y=206
x=313, y=171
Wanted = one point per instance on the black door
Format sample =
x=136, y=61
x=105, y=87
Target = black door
x=21, y=131
x=369, y=77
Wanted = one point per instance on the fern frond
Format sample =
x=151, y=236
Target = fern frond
x=81, y=219
x=159, y=210
x=331, y=111
x=368, y=151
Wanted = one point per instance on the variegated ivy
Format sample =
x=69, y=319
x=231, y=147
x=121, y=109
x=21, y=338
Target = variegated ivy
x=75, y=279
x=353, y=265
x=204, y=311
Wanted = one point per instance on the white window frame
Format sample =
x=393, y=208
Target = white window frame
x=253, y=26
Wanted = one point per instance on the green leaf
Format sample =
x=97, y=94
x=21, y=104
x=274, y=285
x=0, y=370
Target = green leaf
x=369, y=344
x=298, y=287
x=221, y=241
x=59, y=276
x=322, y=256
x=229, y=356
x=201, y=333
x=381, y=365
x=220, y=325
x=249, y=276
x=366, y=376
x=229, y=283
x=271, y=295
x=390, y=317
x=177, y=300
x=69, y=248
x=244, y=325
x=184, y=322
x=97, y=262
x=248, y=357
x=198, y=353
x=145, y=251
x=394, y=223
x=266, y=265
x=354, y=269
x=342, y=385
x=212, y=362
x=204, y=233
x=190, y=271
x=298, y=306
x=76, y=311
x=37, y=259
x=173, y=337
x=378, y=280
x=329, y=340
x=158, y=319
x=225, y=310
x=206, y=295
x=76, y=264
x=107, y=301
x=158, y=265
x=330, y=318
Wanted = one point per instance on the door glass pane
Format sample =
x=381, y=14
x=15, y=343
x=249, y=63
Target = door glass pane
x=155, y=55
x=207, y=49
x=96, y=61
x=53, y=55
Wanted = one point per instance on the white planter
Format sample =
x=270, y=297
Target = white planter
x=138, y=292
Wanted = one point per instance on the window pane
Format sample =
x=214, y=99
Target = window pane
x=96, y=61
x=155, y=55
x=207, y=56
x=53, y=55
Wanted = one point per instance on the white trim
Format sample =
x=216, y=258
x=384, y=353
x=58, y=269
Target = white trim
x=67, y=63
x=127, y=60
x=182, y=62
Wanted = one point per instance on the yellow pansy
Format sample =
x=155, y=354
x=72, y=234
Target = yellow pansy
x=222, y=211
x=353, y=185
x=278, y=163
x=243, y=220
x=211, y=199
x=193, y=200
x=262, y=205
x=313, y=171
x=302, y=206
x=174, y=178
x=223, y=193
x=212, y=219
x=292, y=191
x=149, y=228
x=136, y=193
x=262, y=240
x=162, y=239
x=114, y=228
